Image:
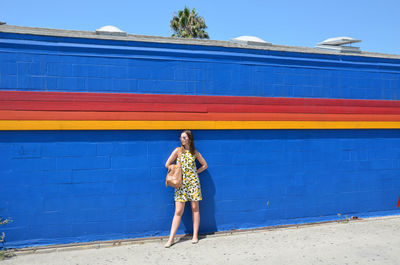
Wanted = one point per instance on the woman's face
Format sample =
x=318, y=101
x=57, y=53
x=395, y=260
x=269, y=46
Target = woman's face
x=184, y=139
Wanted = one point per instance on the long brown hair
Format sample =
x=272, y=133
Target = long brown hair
x=191, y=142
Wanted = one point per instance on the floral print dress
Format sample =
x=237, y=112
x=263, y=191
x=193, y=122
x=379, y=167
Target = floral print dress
x=190, y=190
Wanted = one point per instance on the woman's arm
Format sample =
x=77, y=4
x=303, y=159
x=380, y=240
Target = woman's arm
x=172, y=158
x=202, y=162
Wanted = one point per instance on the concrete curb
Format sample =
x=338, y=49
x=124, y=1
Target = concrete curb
x=121, y=242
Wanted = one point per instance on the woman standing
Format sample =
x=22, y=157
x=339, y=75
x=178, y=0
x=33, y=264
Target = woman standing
x=190, y=190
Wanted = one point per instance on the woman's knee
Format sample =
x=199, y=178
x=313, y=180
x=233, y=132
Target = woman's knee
x=179, y=212
x=195, y=206
x=179, y=208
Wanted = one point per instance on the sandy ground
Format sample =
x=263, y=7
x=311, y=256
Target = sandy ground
x=367, y=241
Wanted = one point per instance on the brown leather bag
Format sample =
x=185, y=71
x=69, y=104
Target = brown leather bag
x=174, y=175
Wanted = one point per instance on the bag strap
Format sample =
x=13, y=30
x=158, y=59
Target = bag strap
x=179, y=153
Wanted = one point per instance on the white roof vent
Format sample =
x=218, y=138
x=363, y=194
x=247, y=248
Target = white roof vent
x=337, y=44
x=250, y=40
x=110, y=30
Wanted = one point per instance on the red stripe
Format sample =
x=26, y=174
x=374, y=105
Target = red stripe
x=302, y=109
x=398, y=202
x=187, y=99
x=173, y=107
x=99, y=106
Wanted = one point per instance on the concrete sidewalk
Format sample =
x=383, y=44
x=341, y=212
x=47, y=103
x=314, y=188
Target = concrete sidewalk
x=367, y=241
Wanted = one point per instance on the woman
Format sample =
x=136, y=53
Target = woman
x=190, y=190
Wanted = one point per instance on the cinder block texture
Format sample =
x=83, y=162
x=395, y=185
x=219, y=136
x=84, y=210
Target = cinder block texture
x=45, y=63
x=62, y=187
x=77, y=186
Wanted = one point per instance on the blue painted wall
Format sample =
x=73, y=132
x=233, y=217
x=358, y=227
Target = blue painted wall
x=76, y=186
x=30, y=62
x=62, y=187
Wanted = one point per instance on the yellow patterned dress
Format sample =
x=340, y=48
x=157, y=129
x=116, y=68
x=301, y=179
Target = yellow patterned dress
x=190, y=190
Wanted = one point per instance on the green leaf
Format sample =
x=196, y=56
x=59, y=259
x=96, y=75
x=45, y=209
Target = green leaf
x=188, y=24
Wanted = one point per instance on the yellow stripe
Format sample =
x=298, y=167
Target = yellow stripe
x=200, y=125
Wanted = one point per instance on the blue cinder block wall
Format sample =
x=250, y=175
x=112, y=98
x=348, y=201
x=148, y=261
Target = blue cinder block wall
x=46, y=63
x=78, y=186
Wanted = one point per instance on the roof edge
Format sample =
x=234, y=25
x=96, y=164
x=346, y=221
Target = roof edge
x=5, y=28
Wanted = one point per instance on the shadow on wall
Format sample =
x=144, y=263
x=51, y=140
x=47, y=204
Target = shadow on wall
x=207, y=207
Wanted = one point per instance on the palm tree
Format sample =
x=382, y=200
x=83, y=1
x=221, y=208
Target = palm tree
x=188, y=25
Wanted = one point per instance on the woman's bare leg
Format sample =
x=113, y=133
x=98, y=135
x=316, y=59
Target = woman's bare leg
x=196, y=219
x=179, y=208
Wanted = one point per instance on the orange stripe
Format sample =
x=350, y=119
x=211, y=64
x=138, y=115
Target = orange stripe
x=88, y=115
x=198, y=125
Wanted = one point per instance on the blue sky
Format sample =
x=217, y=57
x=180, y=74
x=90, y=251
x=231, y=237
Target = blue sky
x=295, y=23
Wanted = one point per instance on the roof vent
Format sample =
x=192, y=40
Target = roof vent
x=110, y=30
x=250, y=40
x=337, y=44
